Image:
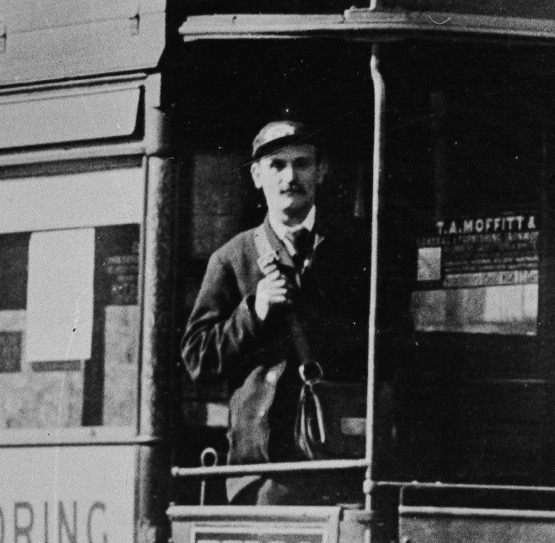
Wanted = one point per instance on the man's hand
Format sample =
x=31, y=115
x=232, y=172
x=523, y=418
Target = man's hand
x=272, y=290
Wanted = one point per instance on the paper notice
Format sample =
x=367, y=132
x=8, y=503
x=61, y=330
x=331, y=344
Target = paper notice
x=429, y=264
x=60, y=295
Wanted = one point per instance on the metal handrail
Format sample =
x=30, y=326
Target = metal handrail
x=459, y=512
x=255, y=469
x=439, y=485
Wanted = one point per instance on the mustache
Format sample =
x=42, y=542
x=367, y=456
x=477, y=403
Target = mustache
x=293, y=189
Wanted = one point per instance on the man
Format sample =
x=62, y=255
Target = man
x=296, y=263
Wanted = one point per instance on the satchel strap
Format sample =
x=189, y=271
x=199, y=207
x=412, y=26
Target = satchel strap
x=309, y=370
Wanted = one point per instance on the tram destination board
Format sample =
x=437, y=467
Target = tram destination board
x=259, y=525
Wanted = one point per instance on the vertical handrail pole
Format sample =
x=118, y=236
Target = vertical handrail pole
x=378, y=160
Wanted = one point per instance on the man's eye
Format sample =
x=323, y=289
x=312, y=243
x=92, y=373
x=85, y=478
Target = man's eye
x=302, y=163
x=278, y=164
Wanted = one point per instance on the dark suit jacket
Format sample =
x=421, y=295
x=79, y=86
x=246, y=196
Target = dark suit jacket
x=225, y=338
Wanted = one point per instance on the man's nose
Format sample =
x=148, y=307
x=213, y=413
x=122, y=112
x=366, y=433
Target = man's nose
x=289, y=174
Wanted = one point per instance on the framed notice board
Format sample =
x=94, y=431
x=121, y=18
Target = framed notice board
x=262, y=524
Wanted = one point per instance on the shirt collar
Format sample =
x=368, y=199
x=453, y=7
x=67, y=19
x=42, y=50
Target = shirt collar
x=282, y=230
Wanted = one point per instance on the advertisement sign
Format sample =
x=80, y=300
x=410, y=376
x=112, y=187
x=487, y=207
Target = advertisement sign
x=478, y=275
x=488, y=251
x=67, y=494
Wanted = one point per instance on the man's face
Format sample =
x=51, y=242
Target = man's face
x=288, y=177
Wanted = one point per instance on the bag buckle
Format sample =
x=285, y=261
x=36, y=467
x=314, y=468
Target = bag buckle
x=311, y=372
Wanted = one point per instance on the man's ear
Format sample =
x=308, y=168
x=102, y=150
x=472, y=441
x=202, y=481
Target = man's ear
x=322, y=171
x=255, y=173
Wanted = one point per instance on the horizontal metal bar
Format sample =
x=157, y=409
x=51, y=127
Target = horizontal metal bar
x=469, y=512
x=140, y=440
x=131, y=79
x=355, y=22
x=254, y=469
x=460, y=486
x=104, y=85
x=260, y=513
x=70, y=437
x=77, y=153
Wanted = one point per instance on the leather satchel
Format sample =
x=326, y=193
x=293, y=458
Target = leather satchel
x=330, y=422
x=331, y=416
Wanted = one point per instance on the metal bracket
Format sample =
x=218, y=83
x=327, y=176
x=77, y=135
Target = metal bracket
x=135, y=19
x=361, y=516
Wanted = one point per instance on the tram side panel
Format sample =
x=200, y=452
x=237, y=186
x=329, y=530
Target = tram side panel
x=78, y=335
x=67, y=493
x=69, y=400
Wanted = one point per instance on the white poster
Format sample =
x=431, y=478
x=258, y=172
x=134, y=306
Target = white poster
x=60, y=295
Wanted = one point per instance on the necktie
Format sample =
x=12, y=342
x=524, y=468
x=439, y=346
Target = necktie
x=301, y=240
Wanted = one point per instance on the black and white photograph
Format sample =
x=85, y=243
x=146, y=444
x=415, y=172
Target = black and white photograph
x=277, y=271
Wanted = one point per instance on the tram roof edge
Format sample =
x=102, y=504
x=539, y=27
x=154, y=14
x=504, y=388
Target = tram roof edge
x=538, y=9
x=364, y=22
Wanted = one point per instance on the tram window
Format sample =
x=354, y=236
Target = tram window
x=69, y=313
x=477, y=268
x=118, y=258
x=42, y=384
x=13, y=287
x=468, y=156
x=476, y=211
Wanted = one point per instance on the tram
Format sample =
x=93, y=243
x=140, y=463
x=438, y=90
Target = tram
x=125, y=133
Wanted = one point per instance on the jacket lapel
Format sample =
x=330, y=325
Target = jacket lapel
x=277, y=245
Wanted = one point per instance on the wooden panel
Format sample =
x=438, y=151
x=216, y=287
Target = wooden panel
x=28, y=15
x=465, y=529
x=477, y=514
x=507, y=401
x=106, y=46
x=263, y=523
x=88, y=199
x=476, y=432
x=55, y=118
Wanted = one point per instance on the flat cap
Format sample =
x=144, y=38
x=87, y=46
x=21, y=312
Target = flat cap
x=279, y=134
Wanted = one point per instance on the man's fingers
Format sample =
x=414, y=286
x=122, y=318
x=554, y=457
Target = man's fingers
x=274, y=289
x=270, y=268
x=278, y=292
x=273, y=275
x=273, y=280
